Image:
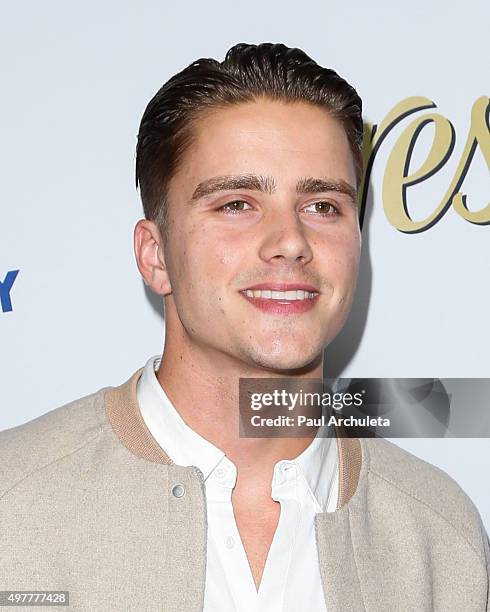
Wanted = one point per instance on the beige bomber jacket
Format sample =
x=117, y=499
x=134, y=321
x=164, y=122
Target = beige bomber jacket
x=86, y=506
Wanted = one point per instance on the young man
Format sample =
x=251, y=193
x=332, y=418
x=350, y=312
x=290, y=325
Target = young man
x=144, y=496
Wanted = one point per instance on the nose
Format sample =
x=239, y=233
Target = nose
x=284, y=238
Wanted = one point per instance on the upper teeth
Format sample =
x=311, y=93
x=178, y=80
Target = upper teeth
x=281, y=295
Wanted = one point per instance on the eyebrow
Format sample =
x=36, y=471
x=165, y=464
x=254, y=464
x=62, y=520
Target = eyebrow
x=267, y=184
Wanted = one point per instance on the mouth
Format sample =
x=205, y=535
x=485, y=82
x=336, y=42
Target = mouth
x=282, y=298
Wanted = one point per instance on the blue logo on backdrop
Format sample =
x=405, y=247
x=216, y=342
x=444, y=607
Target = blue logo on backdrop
x=5, y=289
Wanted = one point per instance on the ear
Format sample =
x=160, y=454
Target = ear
x=148, y=249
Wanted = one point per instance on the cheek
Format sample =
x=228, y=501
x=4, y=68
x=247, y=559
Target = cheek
x=351, y=263
x=341, y=264
x=343, y=254
x=216, y=252
x=227, y=256
x=201, y=266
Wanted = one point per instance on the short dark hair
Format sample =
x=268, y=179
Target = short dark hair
x=248, y=73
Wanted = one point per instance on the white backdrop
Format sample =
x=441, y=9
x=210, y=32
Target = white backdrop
x=76, y=78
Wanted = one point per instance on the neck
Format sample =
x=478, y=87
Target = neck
x=202, y=384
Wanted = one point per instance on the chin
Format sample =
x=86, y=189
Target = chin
x=287, y=361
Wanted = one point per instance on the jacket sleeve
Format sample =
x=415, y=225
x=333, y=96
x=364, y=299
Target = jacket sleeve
x=486, y=548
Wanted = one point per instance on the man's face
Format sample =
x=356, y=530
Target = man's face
x=261, y=199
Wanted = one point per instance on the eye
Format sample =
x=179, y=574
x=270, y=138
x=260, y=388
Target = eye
x=327, y=209
x=233, y=208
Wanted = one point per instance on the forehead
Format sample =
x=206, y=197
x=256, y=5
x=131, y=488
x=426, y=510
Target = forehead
x=268, y=137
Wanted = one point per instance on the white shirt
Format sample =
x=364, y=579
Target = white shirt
x=303, y=486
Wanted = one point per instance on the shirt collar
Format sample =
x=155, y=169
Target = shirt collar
x=182, y=444
x=318, y=463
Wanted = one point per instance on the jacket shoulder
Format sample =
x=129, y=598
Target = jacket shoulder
x=428, y=486
x=38, y=443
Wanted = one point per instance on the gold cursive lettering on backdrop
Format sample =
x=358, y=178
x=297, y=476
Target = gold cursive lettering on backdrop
x=397, y=176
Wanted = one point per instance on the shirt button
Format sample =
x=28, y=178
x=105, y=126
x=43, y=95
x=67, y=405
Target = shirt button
x=230, y=542
x=220, y=473
x=178, y=491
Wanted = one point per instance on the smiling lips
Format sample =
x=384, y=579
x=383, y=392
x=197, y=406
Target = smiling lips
x=282, y=298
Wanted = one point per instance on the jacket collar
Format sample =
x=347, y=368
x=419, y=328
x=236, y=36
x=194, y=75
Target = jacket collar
x=125, y=418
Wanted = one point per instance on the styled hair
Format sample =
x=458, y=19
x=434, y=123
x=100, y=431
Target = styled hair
x=248, y=73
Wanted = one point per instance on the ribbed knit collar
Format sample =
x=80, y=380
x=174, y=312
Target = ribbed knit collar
x=124, y=415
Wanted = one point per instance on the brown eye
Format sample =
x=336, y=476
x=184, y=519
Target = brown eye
x=234, y=207
x=325, y=209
